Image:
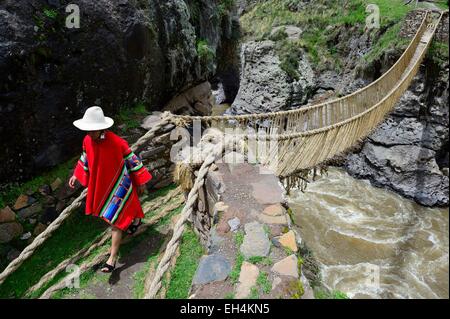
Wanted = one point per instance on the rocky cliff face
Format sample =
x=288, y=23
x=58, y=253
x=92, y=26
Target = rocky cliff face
x=264, y=86
x=409, y=151
x=124, y=52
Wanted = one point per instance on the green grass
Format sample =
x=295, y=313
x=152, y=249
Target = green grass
x=321, y=22
x=205, y=53
x=131, y=117
x=438, y=52
x=324, y=294
x=263, y=282
x=297, y=286
x=265, y=261
x=81, y=230
x=10, y=192
x=91, y=276
x=181, y=277
x=76, y=233
x=224, y=7
x=229, y=295
x=50, y=13
x=389, y=40
x=254, y=293
x=239, y=238
x=442, y=4
x=236, y=271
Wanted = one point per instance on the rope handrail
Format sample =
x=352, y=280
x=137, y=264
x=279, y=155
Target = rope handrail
x=394, y=71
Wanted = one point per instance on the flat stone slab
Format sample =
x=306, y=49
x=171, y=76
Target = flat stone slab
x=23, y=201
x=288, y=240
x=276, y=220
x=267, y=191
x=7, y=215
x=211, y=268
x=29, y=211
x=247, y=279
x=287, y=266
x=274, y=210
x=256, y=242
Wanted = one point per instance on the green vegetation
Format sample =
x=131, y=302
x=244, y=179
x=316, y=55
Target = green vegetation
x=130, y=117
x=224, y=7
x=81, y=230
x=263, y=282
x=335, y=294
x=229, y=295
x=10, y=192
x=236, y=271
x=92, y=276
x=321, y=22
x=239, y=238
x=288, y=251
x=181, y=277
x=297, y=286
x=265, y=261
x=442, y=4
x=254, y=293
x=389, y=40
x=50, y=13
x=438, y=52
x=205, y=53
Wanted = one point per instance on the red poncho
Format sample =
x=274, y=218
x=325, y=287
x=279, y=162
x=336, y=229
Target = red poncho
x=111, y=171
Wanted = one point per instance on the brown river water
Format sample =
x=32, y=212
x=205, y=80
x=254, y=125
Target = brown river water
x=371, y=242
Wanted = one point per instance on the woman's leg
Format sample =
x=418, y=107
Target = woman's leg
x=116, y=238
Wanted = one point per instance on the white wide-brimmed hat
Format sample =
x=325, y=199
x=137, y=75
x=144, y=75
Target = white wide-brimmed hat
x=94, y=120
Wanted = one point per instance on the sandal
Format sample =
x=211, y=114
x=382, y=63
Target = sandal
x=109, y=268
x=134, y=227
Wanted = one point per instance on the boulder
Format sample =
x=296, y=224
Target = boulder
x=56, y=184
x=30, y=211
x=288, y=241
x=9, y=231
x=274, y=210
x=247, y=279
x=287, y=267
x=408, y=152
x=211, y=268
x=256, y=241
x=23, y=201
x=7, y=215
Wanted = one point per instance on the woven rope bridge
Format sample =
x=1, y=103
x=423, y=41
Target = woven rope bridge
x=295, y=140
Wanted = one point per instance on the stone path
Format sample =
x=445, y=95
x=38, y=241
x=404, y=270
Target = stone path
x=253, y=251
x=120, y=284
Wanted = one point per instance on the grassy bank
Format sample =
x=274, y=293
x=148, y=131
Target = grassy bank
x=322, y=23
x=10, y=192
x=181, y=277
x=77, y=232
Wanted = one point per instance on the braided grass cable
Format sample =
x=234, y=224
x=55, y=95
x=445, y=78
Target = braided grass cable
x=100, y=257
x=38, y=241
x=179, y=226
x=99, y=241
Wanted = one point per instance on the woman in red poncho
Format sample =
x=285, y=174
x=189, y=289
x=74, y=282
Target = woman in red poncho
x=114, y=176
